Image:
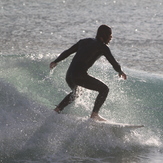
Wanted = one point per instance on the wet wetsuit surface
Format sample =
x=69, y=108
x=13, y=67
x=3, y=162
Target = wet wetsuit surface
x=87, y=52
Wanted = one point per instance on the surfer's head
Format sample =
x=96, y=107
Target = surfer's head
x=104, y=33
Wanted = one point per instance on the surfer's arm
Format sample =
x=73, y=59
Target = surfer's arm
x=64, y=55
x=114, y=63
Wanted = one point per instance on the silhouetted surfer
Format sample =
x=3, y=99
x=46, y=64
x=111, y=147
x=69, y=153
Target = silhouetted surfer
x=87, y=52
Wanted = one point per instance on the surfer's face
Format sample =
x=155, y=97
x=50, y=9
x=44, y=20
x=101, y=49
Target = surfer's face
x=109, y=38
x=106, y=41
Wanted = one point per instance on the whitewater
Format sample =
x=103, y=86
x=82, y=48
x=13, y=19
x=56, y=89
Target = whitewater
x=34, y=33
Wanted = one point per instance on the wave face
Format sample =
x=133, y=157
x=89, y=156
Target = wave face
x=30, y=130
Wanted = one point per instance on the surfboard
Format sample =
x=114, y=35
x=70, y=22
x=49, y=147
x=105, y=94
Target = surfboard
x=118, y=125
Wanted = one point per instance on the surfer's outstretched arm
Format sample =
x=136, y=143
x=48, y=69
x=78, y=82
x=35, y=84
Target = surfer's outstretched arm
x=64, y=55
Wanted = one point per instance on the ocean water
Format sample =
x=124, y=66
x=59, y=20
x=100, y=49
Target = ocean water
x=32, y=34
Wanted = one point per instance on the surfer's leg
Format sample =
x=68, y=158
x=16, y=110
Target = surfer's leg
x=70, y=97
x=103, y=92
x=67, y=100
x=94, y=84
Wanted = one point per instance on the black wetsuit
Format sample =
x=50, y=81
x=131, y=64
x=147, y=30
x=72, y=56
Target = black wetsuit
x=87, y=52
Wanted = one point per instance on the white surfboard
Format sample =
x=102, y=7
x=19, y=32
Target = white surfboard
x=118, y=125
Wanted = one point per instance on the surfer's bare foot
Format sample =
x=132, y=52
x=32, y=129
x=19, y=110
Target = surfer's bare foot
x=96, y=117
x=57, y=110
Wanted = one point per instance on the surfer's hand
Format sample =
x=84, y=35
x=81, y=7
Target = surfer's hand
x=52, y=65
x=123, y=75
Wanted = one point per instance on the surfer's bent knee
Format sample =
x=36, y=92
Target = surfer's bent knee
x=104, y=90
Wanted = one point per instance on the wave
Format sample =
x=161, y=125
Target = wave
x=30, y=130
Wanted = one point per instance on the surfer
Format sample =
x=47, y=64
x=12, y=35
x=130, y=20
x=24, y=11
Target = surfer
x=87, y=52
